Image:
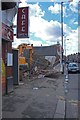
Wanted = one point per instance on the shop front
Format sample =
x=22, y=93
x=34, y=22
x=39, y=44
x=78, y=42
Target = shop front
x=7, y=59
x=7, y=39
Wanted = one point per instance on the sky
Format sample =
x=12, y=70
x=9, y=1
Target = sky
x=45, y=25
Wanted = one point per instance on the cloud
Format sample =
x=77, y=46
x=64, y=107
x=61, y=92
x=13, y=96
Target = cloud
x=36, y=42
x=74, y=6
x=35, y=10
x=44, y=29
x=23, y=4
x=47, y=32
x=19, y=41
x=66, y=29
x=72, y=42
x=41, y=28
x=76, y=23
x=72, y=21
x=55, y=9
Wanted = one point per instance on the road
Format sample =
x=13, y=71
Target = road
x=71, y=96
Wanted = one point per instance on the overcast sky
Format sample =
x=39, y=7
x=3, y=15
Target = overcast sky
x=45, y=24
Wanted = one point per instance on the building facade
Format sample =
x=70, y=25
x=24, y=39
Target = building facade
x=9, y=10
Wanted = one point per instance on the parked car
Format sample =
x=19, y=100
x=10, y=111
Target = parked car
x=73, y=68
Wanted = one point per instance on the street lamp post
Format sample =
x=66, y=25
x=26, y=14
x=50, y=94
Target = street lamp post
x=65, y=49
x=62, y=36
x=62, y=59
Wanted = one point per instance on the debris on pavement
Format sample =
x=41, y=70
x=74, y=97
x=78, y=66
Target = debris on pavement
x=35, y=88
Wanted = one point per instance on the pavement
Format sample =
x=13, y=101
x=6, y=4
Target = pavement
x=42, y=97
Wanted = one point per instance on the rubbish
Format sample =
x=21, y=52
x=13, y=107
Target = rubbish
x=35, y=88
x=40, y=76
x=52, y=75
x=21, y=83
x=35, y=68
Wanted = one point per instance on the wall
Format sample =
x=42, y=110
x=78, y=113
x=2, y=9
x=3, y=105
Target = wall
x=51, y=59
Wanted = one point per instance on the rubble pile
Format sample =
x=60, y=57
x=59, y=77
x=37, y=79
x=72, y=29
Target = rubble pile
x=41, y=67
x=39, y=64
x=53, y=74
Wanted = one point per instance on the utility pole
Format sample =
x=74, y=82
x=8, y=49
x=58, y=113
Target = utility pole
x=66, y=77
x=62, y=36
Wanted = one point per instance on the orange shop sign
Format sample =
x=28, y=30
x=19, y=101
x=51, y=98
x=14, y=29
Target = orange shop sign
x=22, y=22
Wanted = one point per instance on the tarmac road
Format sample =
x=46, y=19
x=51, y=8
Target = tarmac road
x=72, y=96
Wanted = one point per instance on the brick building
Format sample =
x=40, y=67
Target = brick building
x=74, y=57
x=9, y=10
